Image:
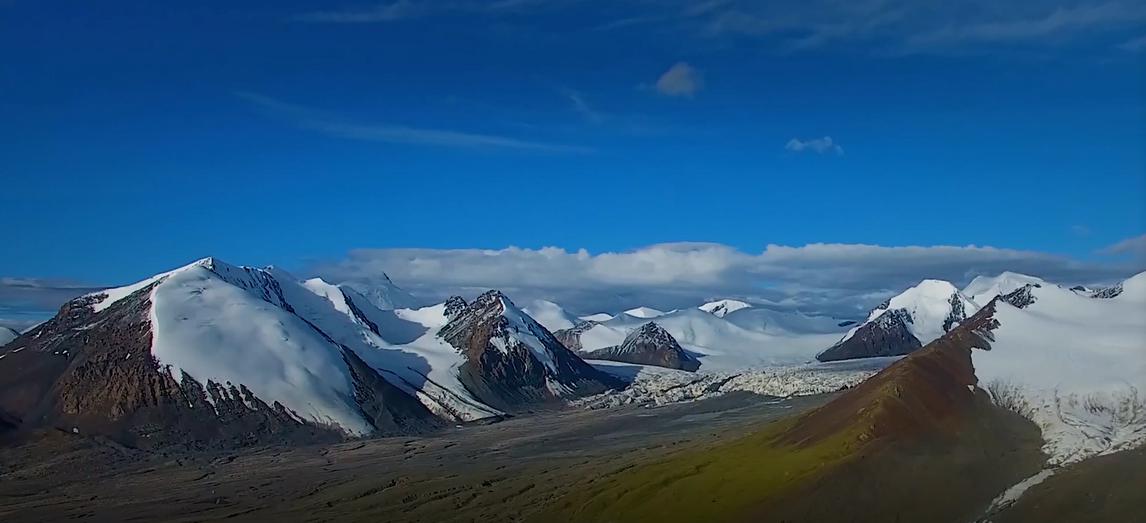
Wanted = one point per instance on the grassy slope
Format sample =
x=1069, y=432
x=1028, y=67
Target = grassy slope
x=714, y=484
x=911, y=443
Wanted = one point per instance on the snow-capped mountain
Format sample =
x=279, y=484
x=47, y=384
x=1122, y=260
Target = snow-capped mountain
x=721, y=308
x=780, y=323
x=598, y=317
x=511, y=361
x=649, y=344
x=719, y=343
x=904, y=323
x=644, y=313
x=1073, y=364
x=983, y=289
x=208, y=354
x=550, y=315
x=384, y=294
x=7, y=335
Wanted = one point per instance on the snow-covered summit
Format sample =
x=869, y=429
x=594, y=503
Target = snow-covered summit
x=983, y=289
x=933, y=307
x=384, y=293
x=644, y=312
x=905, y=322
x=551, y=315
x=597, y=317
x=230, y=350
x=721, y=308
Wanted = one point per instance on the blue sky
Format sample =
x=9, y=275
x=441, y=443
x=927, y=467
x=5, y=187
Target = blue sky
x=138, y=136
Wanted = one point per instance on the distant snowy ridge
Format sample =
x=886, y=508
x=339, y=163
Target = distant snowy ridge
x=644, y=313
x=722, y=308
x=384, y=294
x=744, y=339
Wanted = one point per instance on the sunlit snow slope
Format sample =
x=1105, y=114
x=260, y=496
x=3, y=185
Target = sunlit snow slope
x=1076, y=365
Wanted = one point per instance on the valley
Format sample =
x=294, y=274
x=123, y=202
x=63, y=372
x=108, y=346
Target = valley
x=507, y=471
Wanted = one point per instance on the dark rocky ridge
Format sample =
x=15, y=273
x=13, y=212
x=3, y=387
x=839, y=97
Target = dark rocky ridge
x=501, y=369
x=1110, y=292
x=455, y=305
x=649, y=345
x=1021, y=297
x=887, y=335
x=93, y=373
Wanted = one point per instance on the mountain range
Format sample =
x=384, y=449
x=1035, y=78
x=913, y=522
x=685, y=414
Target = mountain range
x=213, y=355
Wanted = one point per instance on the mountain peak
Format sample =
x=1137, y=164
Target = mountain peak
x=512, y=360
x=905, y=322
x=649, y=344
x=454, y=306
x=721, y=308
x=644, y=312
x=983, y=289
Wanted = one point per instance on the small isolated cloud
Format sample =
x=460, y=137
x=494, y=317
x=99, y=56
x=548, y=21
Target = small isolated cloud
x=331, y=125
x=816, y=145
x=680, y=80
x=1080, y=230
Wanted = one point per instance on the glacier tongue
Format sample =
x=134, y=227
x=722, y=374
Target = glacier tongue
x=655, y=386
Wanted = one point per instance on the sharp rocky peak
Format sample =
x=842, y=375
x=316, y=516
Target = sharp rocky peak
x=455, y=305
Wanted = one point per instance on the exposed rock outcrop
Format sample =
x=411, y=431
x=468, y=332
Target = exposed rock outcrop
x=512, y=362
x=649, y=345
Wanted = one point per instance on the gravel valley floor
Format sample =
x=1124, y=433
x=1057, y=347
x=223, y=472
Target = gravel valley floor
x=506, y=471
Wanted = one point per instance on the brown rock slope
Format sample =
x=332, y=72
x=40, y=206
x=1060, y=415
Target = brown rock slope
x=913, y=443
x=649, y=344
x=512, y=362
x=92, y=373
